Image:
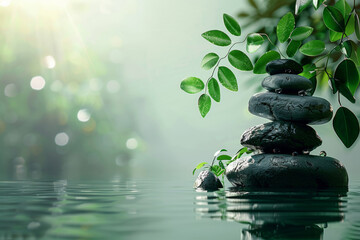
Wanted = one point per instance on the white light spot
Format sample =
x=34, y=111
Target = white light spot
x=83, y=115
x=61, y=139
x=50, y=62
x=10, y=90
x=112, y=86
x=5, y=3
x=131, y=143
x=56, y=86
x=37, y=83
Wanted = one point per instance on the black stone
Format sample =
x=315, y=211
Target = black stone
x=207, y=181
x=283, y=171
x=283, y=66
x=284, y=137
x=286, y=83
x=301, y=109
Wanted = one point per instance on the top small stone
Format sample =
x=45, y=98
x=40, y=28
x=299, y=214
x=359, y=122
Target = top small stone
x=283, y=66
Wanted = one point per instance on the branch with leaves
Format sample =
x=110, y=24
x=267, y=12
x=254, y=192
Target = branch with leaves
x=341, y=23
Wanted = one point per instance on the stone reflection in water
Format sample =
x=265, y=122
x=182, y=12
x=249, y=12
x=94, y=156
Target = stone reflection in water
x=274, y=215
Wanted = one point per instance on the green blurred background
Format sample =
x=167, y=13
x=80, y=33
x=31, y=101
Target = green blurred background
x=90, y=89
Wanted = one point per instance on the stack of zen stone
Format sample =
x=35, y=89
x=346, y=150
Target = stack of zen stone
x=283, y=145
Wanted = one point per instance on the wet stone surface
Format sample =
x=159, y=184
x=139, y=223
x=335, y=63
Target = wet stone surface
x=286, y=83
x=207, y=181
x=301, y=109
x=281, y=137
x=282, y=171
x=283, y=66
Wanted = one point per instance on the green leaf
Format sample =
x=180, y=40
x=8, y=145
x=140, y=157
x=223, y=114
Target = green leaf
x=221, y=165
x=333, y=19
x=332, y=85
x=314, y=83
x=217, y=170
x=313, y=48
x=317, y=3
x=301, y=33
x=347, y=73
x=232, y=25
x=260, y=64
x=219, y=151
x=292, y=48
x=224, y=157
x=209, y=61
x=254, y=42
x=346, y=126
x=355, y=53
x=200, y=165
x=344, y=90
x=240, y=60
x=285, y=26
x=343, y=7
x=204, y=104
x=301, y=5
x=346, y=48
x=357, y=27
x=214, y=89
x=227, y=78
x=192, y=85
x=217, y=37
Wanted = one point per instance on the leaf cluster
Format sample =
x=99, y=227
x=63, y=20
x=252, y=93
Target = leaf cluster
x=338, y=65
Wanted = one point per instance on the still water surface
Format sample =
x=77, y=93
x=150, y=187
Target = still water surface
x=141, y=209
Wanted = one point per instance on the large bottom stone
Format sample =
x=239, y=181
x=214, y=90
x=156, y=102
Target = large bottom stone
x=282, y=171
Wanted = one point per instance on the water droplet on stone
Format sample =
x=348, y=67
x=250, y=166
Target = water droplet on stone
x=278, y=90
x=294, y=154
x=287, y=78
x=306, y=152
x=323, y=154
x=287, y=70
x=302, y=93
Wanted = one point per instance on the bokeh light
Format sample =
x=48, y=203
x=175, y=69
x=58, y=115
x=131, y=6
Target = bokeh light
x=10, y=90
x=131, y=143
x=50, y=62
x=37, y=83
x=83, y=115
x=61, y=139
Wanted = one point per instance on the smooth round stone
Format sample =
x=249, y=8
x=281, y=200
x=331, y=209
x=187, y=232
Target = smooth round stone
x=281, y=137
x=282, y=171
x=301, y=109
x=283, y=66
x=286, y=83
x=207, y=181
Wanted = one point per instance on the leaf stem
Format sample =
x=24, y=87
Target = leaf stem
x=264, y=34
x=217, y=64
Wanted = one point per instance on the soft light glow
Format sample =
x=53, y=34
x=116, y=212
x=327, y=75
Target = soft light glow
x=83, y=115
x=50, y=62
x=37, y=83
x=5, y=3
x=112, y=86
x=56, y=86
x=10, y=90
x=61, y=139
x=132, y=143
